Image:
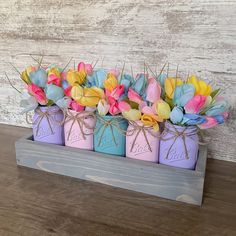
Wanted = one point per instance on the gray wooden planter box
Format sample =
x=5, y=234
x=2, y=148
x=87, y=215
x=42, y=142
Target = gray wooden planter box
x=150, y=178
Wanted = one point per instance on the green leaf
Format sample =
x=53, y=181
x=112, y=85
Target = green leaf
x=50, y=103
x=170, y=102
x=215, y=93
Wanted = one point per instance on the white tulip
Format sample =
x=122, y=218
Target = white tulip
x=103, y=107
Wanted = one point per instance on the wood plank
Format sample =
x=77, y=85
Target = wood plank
x=198, y=35
x=39, y=203
x=151, y=178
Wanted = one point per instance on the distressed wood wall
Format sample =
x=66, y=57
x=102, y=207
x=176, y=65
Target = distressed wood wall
x=198, y=35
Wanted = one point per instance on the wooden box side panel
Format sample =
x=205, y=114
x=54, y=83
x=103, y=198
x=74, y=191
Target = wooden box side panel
x=167, y=182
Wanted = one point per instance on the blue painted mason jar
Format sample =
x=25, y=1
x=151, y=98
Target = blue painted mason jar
x=109, y=135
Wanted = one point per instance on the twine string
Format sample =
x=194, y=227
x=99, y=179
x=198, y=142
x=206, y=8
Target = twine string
x=179, y=134
x=48, y=115
x=79, y=118
x=112, y=124
x=140, y=129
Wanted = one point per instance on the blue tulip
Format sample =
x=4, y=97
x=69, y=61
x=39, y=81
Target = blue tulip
x=183, y=94
x=161, y=78
x=176, y=115
x=90, y=80
x=126, y=80
x=220, y=119
x=217, y=108
x=63, y=103
x=100, y=76
x=140, y=84
x=96, y=79
x=193, y=119
x=39, y=77
x=64, y=84
x=51, y=66
x=54, y=92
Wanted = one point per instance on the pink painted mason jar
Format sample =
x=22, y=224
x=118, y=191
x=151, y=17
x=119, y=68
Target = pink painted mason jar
x=48, y=125
x=142, y=142
x=78, y=128
x=179, y=146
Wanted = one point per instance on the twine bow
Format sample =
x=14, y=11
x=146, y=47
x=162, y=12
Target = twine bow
x=178, y=134
x=113, y=123
x=80, y=119
x=140, y=129
x=48, y=115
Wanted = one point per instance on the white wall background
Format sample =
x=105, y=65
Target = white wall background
x=198, y=35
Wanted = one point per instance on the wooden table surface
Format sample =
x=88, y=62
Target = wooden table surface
x=38, y=203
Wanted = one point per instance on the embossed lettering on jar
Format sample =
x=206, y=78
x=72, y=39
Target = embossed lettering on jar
x=142, y=142
x=179, y=146
x=47, y=125
x=109, y=135
x=79, y=128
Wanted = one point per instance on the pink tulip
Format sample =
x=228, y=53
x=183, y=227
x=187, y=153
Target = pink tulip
x=67, y=91
x=210, y=122
x=115, y=72
x=148, y=110
x=195, y=104
x=85, y=67
x=110, y=99
x=153, y=91
x=225, y=115
x=118, y=91
x=75, y=106
x=63, y=75
x=114, y=109
x=53, y=79
x=144, y=108
x=124, y=106
x=134, y=97
x=38, y=93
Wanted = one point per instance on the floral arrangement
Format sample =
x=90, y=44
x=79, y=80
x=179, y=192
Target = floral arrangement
x=193, y=102
x=45, y=87
x=142, y=101
x=145, y=104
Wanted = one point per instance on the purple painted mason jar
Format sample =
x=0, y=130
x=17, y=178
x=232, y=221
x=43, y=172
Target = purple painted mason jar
x=179, y=146
x=47, y=125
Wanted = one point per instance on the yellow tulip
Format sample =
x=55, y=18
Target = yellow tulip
x=170, y=85
x=201, y=87
x=151, y=120
x=111, y=82
x=132, y=114
x=76, y=77
x=87, y=96
x=55, y=71
x=162, y=109
x=25, y=74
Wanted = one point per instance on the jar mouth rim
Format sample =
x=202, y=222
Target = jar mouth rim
x=48, y=107
x=139, y=123
x=110, y=116
x=172, y=126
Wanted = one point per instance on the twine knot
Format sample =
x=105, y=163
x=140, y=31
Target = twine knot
x=140, y=129
x=79, y=118
x=178, y=134
x=48, y=115
x=113, y=123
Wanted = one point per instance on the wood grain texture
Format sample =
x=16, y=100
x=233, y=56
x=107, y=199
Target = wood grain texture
x=38, y=203
x=150, y=178
x=198, y=35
